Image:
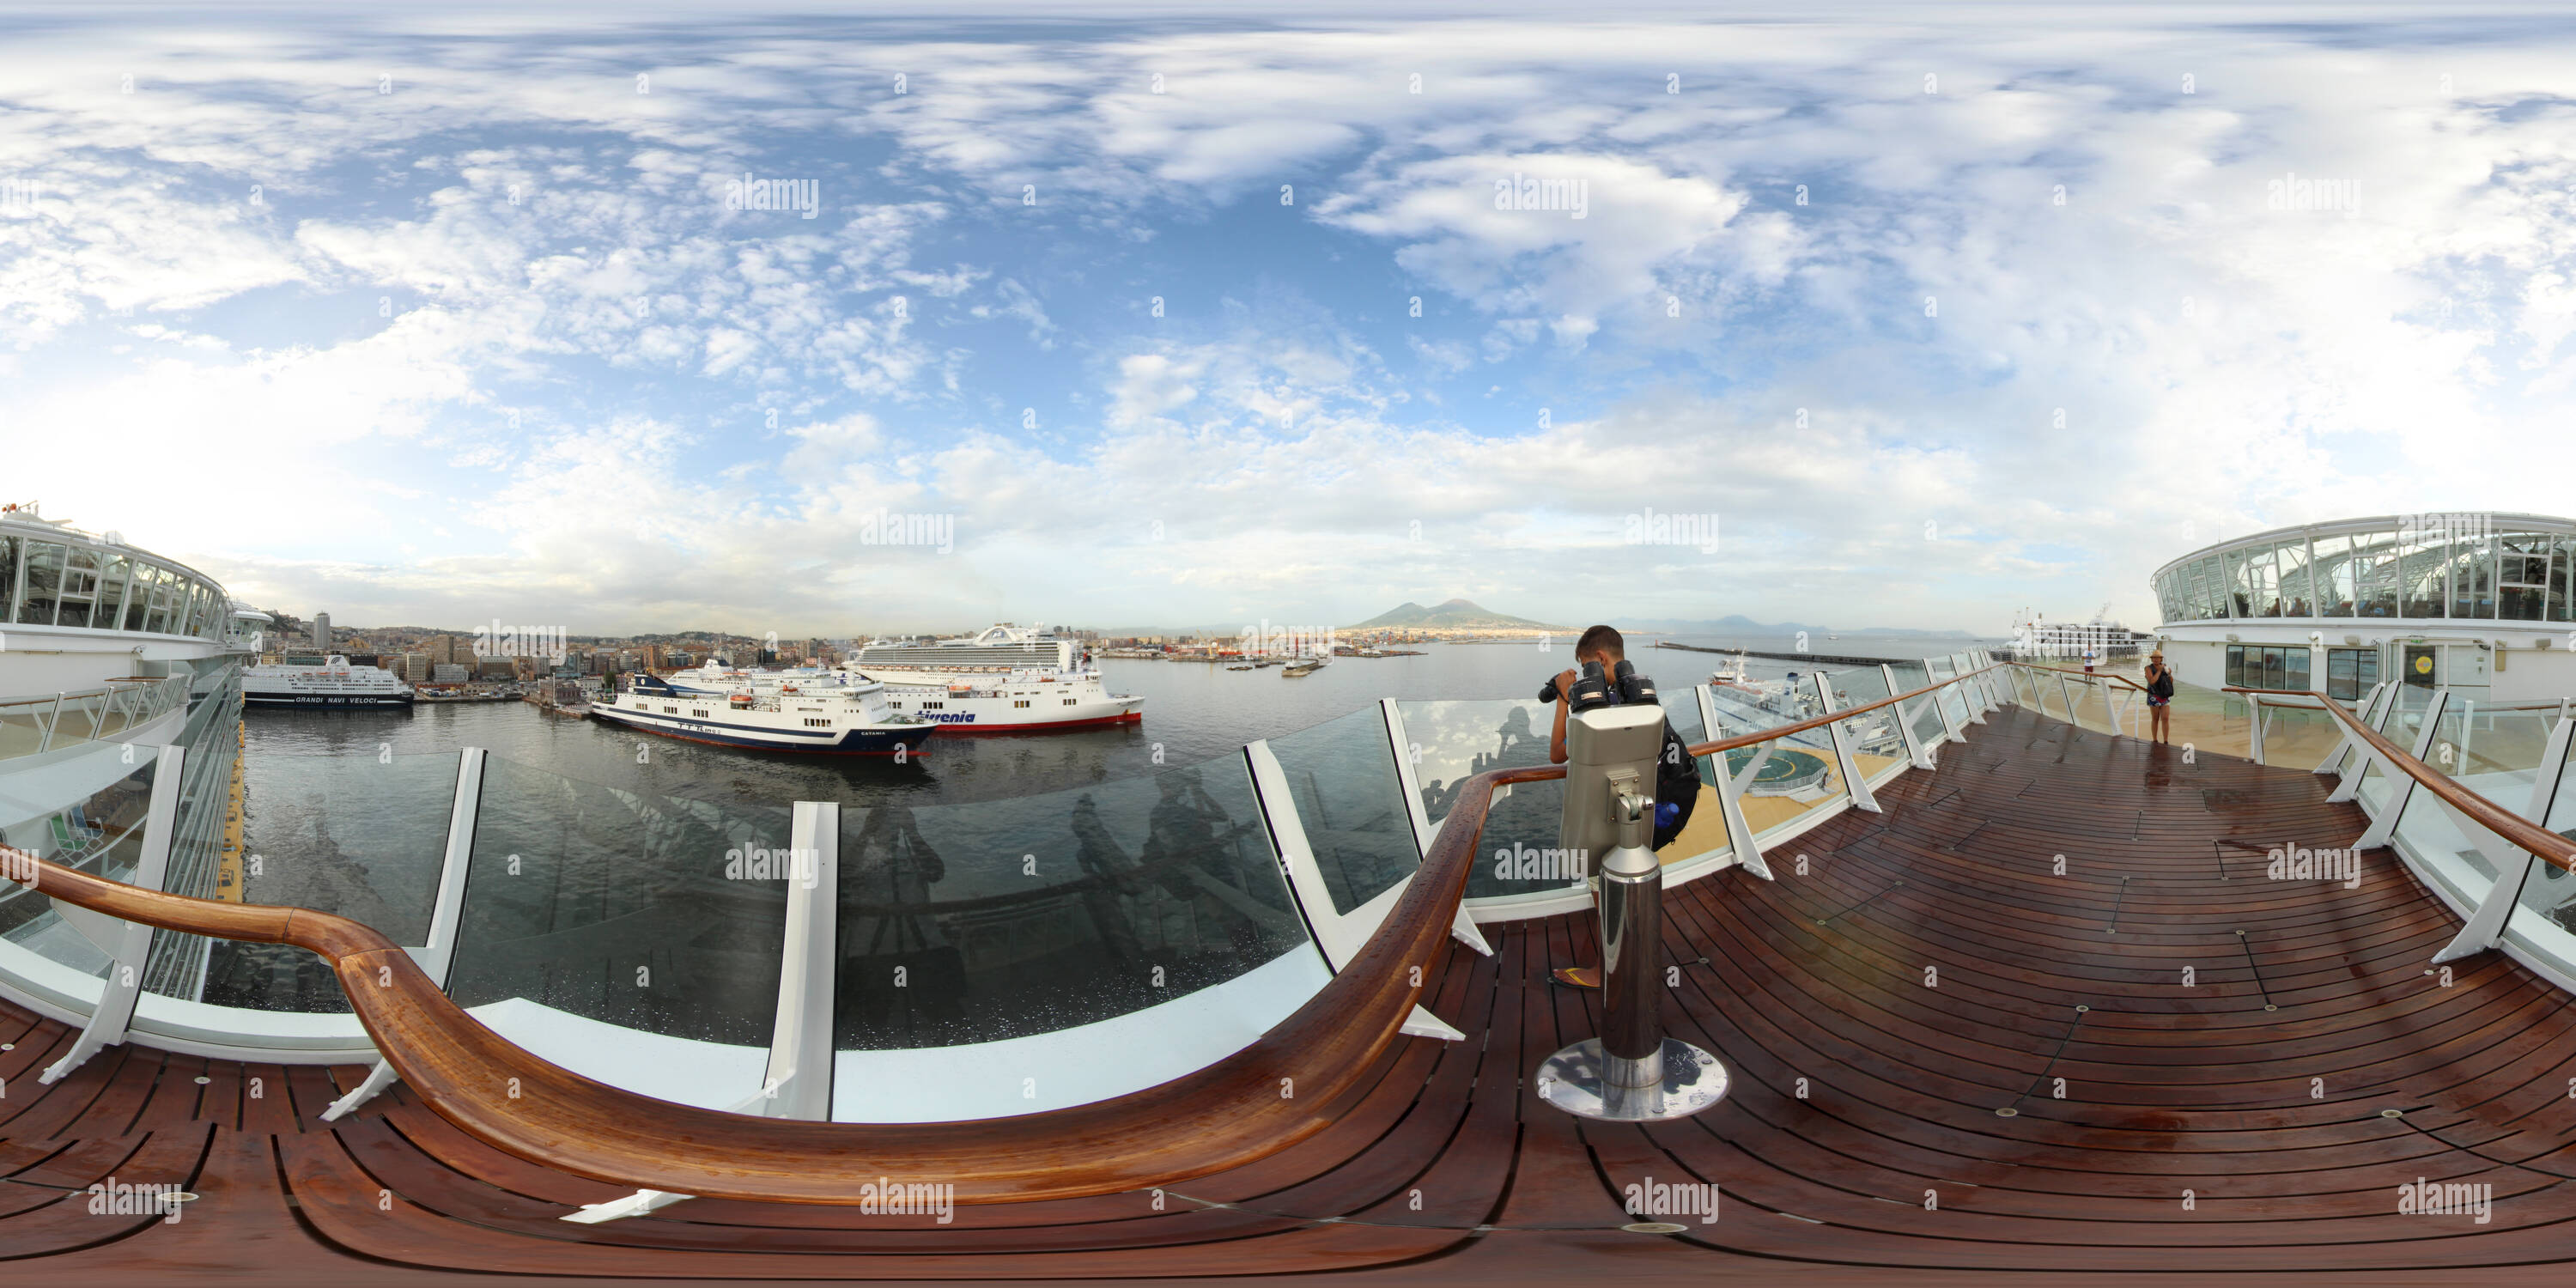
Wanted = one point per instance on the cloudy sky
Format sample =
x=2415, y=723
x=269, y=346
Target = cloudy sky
x=1184, y=317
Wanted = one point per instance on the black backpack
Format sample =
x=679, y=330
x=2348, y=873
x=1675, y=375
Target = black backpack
x=1676, y=783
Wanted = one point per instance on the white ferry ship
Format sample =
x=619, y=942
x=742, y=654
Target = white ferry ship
x=842, y=720
x=1019, y=702
x=331, y=682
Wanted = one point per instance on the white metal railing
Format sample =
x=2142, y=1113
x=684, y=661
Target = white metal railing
x=39, y=723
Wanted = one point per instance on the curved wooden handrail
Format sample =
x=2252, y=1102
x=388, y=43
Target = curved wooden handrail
x=1272, y=1094
x=2485, y=813
x=1268, y=1096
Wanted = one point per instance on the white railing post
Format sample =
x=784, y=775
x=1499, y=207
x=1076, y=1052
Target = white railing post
x=1853, y=781
x=2346, y=742
x=2358, y=767
x=1730, y=799
x=438, y=957
x=2256, y=743
x=127, y=943
x=2402, y=784
x=1915, y=751
x=2485, y=925
x=798, y=1081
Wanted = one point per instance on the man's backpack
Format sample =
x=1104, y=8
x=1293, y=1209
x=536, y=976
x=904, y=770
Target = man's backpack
x=1676, y=787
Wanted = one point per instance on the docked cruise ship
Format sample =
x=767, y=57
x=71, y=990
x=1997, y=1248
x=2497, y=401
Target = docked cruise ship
x=330, y=682
x=1001, y=648
x=835, y=720
x=1285, y=1011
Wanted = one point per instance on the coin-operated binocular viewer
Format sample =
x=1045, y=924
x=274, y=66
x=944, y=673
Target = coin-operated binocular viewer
x=1632, y=1072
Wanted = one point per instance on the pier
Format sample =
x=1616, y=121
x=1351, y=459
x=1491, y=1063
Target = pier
x=1834, y=659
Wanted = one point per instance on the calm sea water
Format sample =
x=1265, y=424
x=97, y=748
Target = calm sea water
x=1193, y=712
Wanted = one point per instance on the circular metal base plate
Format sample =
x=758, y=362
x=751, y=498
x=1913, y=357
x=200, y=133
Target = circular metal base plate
x=1571, y=1081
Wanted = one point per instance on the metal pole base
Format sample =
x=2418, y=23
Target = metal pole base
x=1585, y=1082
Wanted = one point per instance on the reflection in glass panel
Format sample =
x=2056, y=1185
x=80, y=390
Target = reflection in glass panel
x=2331, y=576
x=1459, y=740
x=2264, y=581
x=2424, y=576
x=8, y=579
x=650, y=912
x=1875, y=740
x=101, y=835
x=2562, y=581
x=79, y=588
x=2473, y=556
x=1144, y=890
x=1341, y=774
x=354, y=835
x=2296, y=597
x=2522, y=576
x=44, y=575
x=2375, y=573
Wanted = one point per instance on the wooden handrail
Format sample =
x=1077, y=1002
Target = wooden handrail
x=1280, y=1090
x=2485, y=813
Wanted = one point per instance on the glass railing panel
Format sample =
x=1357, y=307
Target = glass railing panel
x=2493, y=753
x=2401, y=724
x=1876, y=740
x=363, y=837
x=650, y=913
x=2543, y=921
x=103, y=835
x=1952, y=704
x=1459, y=739
x=1801, y=774
x=979, y=923
x=1342, y=777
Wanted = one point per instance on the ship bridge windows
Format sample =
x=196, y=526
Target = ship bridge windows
x=2522, y=576
x=43, y=584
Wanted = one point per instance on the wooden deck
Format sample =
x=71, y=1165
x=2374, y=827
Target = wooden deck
x=2232, y=1125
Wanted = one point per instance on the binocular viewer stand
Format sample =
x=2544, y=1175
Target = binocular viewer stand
x=1632, y=1072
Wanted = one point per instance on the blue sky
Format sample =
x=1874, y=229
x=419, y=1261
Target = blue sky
x=448, y=319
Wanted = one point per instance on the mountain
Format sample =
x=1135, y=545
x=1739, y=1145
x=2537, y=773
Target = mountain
x=1455, y=615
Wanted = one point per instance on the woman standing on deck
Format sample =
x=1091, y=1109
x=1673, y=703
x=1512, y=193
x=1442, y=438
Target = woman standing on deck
x=2160, y=692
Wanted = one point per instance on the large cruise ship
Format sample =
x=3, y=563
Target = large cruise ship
x=1001, y=648
x=331, y=682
